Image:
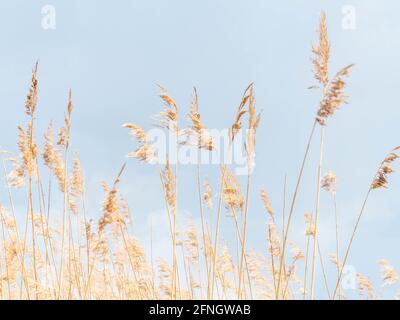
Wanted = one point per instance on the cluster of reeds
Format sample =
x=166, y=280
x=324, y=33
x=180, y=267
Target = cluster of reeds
x=56, y=250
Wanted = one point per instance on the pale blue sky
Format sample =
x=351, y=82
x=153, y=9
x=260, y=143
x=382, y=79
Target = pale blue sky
x=113, y=53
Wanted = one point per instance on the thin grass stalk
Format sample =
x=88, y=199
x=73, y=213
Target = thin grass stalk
x=5, y=255
x=243, y=253
x=351, y=242
x=30, y=208
x=73, y=258
x=87, y=236
x=152, y=258
x=241, y=240
x=202, y=214
x=306, y=268
x=50, y=243
x=282, y=260
x=321, y=154
x=63, y=227
x=337, y=236
x=284, y=206
x=187, y=273
x=30, y=204
x=199, y=273
x=23, y=256
x=175, y=266
x=211, y=293
x=323, y=272
x=272, y=263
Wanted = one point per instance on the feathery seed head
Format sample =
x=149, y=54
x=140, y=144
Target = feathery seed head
x=389, y=274
x=334, y=96
x=381, y=177
x=231, y=192
x=52, y=158
x=168, y=118
x=329, y=182
x=237, y=125
x=145, y=152
x=207, y=196
x=168, y=179
x=32, y=97
x=321, y=52
x=198, y=130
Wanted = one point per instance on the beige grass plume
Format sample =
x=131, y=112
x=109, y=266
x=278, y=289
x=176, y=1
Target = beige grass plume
x=329, y=182
x=32, y=97
x=77, y=178
x=225, y=267
x=207, y=195
x=26, y=165
x=241, y=111
x=231, y=192
x=381, y=178
x=365, y=286
x=77, y=184
x=389, y=274
x=16, y=178
x=333, y=95
x=64, y=132
x=198, y=131
x=168, y=118
x=297, y=255
x=165, y=275
x=322, y=52
x=191, y=243
x=111, y=206
x=26, y=143
x=145, y=152
x=310, y=226
x=267, y=203
x=169, y=183
x=254, y=122
x=334, y=259
x=256, y=263
x=53, y=159
x=274, y=240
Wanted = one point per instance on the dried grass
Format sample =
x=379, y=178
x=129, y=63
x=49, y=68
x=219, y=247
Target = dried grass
x=58, y=255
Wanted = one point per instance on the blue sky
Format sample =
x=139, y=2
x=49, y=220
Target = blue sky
x=112, y=55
